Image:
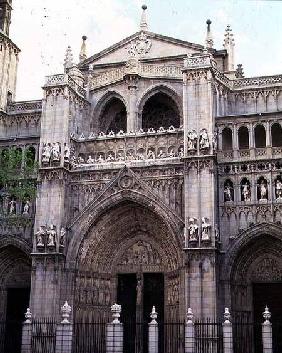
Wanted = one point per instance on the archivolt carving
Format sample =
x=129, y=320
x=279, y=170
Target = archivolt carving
x=267, y=269
x=140, y=253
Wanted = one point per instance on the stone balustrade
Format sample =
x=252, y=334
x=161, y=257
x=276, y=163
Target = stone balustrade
x=64, y=79
x=25, y=106
x=249, y=154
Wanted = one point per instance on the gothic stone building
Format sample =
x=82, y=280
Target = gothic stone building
x=159, y=183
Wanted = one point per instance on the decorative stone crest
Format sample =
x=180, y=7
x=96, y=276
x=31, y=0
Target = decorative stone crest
x=141, y=46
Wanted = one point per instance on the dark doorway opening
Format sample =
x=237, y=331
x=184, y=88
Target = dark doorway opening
x=17, y=303
x=137, y=294
x=268, y=294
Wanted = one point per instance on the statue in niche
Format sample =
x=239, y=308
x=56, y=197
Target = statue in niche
x=263, y=190
x=51, y=234
x=80, y=160
x=192, y=140
x=90, y=160
x=62, y=237
x=66, y=154
x=111, y=157
x=56, y=155
x=120, y=156
x=204, y=140
x=181, y=152
x=228, y=192
x=151, y=154
x=161, y=153
x=139, y=292
x=246, y=192
x=40, y=237
x=214, y=141
x=278, y=189
x=12, y=207
x=193, y=229
x=100, y=159
x=46, y=153
x=205, y=229
x=26, y=207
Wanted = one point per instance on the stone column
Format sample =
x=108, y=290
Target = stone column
x=189, y=333
x=26, y=333
x=132, y=123
x=227, y=333
x=267, y=332
x=64, y=331
x=153, y=343
x=114, y=332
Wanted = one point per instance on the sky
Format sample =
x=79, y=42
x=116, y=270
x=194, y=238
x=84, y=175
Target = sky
x=43, y=29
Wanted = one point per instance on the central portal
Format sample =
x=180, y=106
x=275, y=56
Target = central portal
x=137, y=294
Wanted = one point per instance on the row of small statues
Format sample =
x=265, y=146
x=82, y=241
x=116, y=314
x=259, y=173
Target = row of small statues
x=246, y=191
x=11, y=208
x=121, y=133
x=48, y=236
x=51, y=153
x=203, y=138
x=193, y=230
x=129, y=156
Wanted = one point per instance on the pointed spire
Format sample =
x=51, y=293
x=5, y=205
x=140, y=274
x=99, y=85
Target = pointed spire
x=209, y=39
x=143, y=22
x=68, y=63
x=229, y=44
x=82, y=54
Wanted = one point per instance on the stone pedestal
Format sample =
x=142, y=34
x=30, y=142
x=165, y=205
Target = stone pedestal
x=114, y=338
x=64, y=335
x=26, y=337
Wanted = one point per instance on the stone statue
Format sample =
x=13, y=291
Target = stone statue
x=62, y=237
x=52, y=234
x=205, y=229
x=111, y=157
x=263, y=190
x=151, y=154
x=66, y=154
x=193, y=229
x=139, y=292
x=204, y=140
x=120, y=156
x=56, y=155
x=278, y=189
x=26, y=207
x=100, y=159
x=12, y=207
x=40, y=237
x=90, y=160
x=46, y=153
x=192, y=140
x=228, y=192
x=214, y=141
x=181, y=152
x=80, y=160
x=161, y=153
x=246, y=192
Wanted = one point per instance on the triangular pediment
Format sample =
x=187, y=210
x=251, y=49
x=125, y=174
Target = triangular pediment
x=143, y=45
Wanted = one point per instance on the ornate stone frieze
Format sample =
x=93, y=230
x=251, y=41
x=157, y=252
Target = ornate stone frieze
x=268, y=269
x=140, y=253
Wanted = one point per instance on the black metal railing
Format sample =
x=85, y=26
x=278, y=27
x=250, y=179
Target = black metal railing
x=43, y=336
x=171, y=337
x=89, y=337
x=208, y=336
x=135, y=337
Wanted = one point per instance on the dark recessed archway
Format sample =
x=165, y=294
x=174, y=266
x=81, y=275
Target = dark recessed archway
x=113, y=116
x=160, y=110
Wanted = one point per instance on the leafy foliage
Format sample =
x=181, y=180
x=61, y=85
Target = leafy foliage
x=18, y=173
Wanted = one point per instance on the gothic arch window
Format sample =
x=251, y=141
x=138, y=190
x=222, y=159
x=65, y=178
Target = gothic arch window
x=276, y=135
x=30, y=155
x=160, y=110
x=228, y=190
x=262, y=189
x=227, y=139
x=243, y=138
x=113, y=116
x=260, y=136
x=245, y=188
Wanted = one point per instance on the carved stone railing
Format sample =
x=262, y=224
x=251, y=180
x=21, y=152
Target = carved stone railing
x=143, y=70
x=129, y=148
x=64, y=79
x=25, y=106
x=258, y=81
x=246, y=154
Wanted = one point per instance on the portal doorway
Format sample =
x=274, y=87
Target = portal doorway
x=137, y=294
x=268, y=294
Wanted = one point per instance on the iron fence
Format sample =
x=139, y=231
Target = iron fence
x=89, y=337
x=208, y=336
x=171, y=337
x=43, y=336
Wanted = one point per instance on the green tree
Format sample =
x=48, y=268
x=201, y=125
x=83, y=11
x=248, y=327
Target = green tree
x=18, y=173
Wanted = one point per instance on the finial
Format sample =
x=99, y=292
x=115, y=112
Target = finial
x=116, y=310
x=68, y=63
x=143, y=22
x=209, y=40
x=227, y=316
x=82, y=54
x=228, y=37
x=153, y=315
x=266, y=315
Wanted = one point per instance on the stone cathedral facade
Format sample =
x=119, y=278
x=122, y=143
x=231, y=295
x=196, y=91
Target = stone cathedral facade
x=159, y=183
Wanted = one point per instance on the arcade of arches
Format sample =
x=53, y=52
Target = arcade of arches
x=130, y=252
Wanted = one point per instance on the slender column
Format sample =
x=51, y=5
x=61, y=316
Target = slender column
x=132, y=123
x=114, y=333
x=227, y=333
x=153, y=344
x=64, y=331
x=268, y=140
x=189, y=333
x=26, y=333
x=235, y=140
x=267, y=332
